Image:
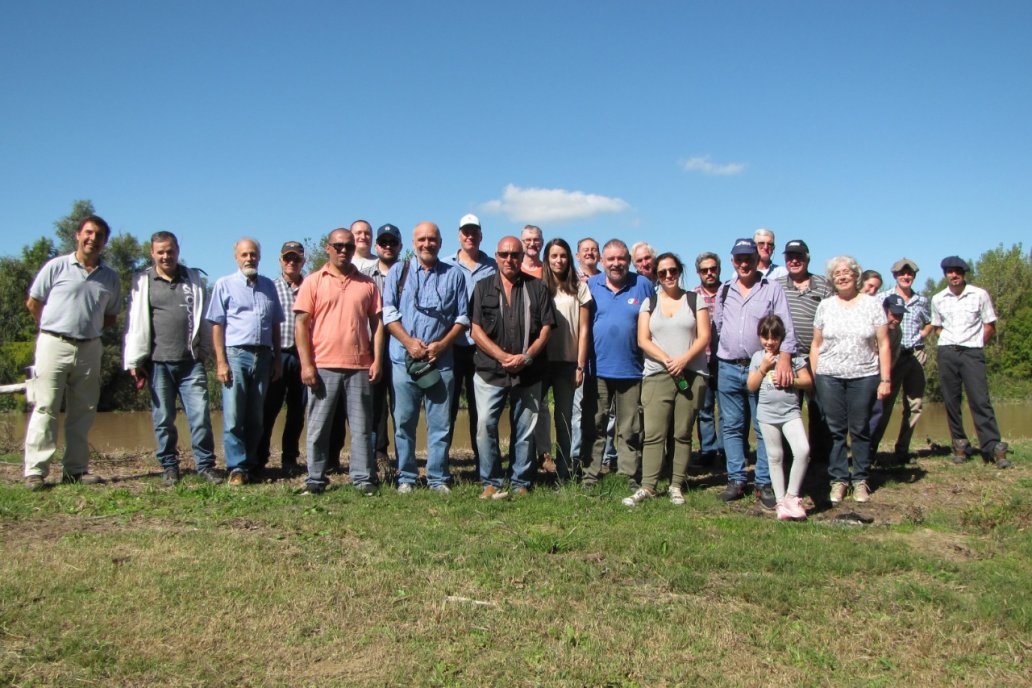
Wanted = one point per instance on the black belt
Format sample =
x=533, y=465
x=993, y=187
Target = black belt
x=912, y=349
x=66, y=338
x=740, y=362
x=250, y=347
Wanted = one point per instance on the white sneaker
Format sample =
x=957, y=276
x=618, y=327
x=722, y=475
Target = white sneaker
x=861, y=492
x=640, y=496
x=405, y=488
x=838, y=492
x=676, y=496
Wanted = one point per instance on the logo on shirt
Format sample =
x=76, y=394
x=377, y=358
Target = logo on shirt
x=633, y=301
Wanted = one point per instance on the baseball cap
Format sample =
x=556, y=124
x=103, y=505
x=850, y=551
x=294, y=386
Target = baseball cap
x=388, y=230
x=954, y=262
x=797, y=246
x=904, y=263
x=292, y=247
x=894, y=303
x=469, y=220
x=743, y=247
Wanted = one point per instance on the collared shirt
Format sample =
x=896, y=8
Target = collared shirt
x=708, y=302
x=584, y=276
x=75, y=300
x=432, y=302
x=286, y=292
x=919, y=314
x=171, y=312
x=340, y=311
x=485, y=267
x=737, y=318
x=802, y=304
x=504, y=324
x=774, y=271
x=248, y=310
x=962, y=318
x=614, y=325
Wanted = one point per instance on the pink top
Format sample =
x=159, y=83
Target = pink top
x=340, y=310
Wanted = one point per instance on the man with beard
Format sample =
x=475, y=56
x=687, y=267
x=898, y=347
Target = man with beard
x=245, y=314
x=711, y=448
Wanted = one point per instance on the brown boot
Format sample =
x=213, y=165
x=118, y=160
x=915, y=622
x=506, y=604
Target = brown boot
x=960, y=451
x=1000, y=455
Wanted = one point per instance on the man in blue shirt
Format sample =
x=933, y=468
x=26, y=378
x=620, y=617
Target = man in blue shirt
x=617, y=296
x=245, y=314
x=425, y=310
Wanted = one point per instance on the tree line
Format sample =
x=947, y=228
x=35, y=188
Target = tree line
x=1006, y=273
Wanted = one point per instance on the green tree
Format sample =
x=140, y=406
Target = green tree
x=66, y=227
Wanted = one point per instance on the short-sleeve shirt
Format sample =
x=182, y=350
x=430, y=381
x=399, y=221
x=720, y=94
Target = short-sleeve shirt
x=248, y=310
x=802, y=304
x=776, y=404
x=562, y=343
x=962, y=318
x=286, y=292
x=919, y=314
x=849, y=347
x=674, y=335
x=75, y=300
x=505, y=325
x=339, y=313
x=614, y=325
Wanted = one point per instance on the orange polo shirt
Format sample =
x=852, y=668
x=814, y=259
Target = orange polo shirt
x=340, y=310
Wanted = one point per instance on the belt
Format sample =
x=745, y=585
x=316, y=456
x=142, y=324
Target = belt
x=912, y=349
x=66, y=338
x=250, y=347
x=740, y=362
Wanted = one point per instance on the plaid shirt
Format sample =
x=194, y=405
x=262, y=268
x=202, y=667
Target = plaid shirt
x=919, y=314
x=286, y=293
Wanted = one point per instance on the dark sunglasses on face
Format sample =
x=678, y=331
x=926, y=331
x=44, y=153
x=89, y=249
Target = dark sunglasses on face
x=292, y=258
x=713, y=269
x=506, y=255
x=341, y=247
x=668, y=272
x=388, y=243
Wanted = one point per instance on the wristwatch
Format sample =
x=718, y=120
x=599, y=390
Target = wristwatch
x=527, y=359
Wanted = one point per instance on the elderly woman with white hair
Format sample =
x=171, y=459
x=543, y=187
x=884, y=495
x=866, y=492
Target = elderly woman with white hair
x=851, y=360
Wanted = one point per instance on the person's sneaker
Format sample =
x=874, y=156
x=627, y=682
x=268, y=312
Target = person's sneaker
x=782, y=511
x=960, y=451
x=237, y=478
x=734, y=490
x=520, y=492
x=638, y=497
x=838, y=493
x=441, y=489
x=82, y=478
x=310, y=488
x=861, y=492
x=493, y=493
x=1000, y=455
x=794, y=506
x=765, y=496
x=368, y=489
x=405, y=488
x=34, y=483
x=211, y=475
x=169, y=476
x=676, y=496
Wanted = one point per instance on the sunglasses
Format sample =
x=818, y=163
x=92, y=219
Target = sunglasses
x=713, y=269
x=388, y=243
x=292, y=258
x=765, y=243
x=341, y=247
x=668, y=272
x=508, y=255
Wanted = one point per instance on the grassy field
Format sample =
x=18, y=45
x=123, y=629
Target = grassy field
x=130, y=584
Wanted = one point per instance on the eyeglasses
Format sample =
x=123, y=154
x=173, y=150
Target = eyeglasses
x=508, y=255
x=714, y=269
x=341, y=247
x=795, y=258
x=668, y=272
x=765, y=243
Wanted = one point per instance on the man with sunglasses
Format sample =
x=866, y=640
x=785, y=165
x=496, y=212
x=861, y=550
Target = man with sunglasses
x=764, y=239
x=474, y=265
x=741, y=303
x=288, y=387
x=511, y=317
x=711, y=448
x=425, y=310
x=965, y=320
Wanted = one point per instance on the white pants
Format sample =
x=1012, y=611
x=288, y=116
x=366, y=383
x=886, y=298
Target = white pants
x=795, y=433
x=69, y=372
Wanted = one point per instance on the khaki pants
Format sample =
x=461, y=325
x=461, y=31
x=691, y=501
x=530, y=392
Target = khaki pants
x=69, y=372
x=666, y=410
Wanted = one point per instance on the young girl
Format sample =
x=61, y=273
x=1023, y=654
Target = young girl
x=778, y=415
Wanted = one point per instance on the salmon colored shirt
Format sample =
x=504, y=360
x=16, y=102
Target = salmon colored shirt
x=339, y=311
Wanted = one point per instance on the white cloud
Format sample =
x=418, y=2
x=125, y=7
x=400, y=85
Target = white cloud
x=703, y=164
x=551, y=205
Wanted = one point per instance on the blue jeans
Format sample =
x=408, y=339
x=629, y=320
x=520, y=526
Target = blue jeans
x=243, y=403
x=436, y=403
x=335, y=387
x=846, y=404
x=737, y=405
x=188, y=380
x=709, y=437
x=525, y=405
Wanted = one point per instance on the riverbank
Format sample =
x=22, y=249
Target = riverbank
x=132, y=584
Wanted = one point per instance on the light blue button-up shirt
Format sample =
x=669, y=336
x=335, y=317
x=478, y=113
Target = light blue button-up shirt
x=485, y=267
x=248, y=310
x=433, y=301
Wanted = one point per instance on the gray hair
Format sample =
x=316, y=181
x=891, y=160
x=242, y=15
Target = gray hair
x=849, y=262
x=257, y=244
x=761, y=232
x=579, y=243
x=640, y=244
x=706, y=255
x=616, y=243
x=533, y=228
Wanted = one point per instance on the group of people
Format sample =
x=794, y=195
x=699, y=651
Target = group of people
x=634, y=359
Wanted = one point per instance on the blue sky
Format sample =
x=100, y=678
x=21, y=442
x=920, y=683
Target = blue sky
x=878, y=129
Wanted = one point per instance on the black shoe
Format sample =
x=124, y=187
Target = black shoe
x=170, y=476
x=368, y=489
x=314, y=489
x=211, y=475
x=734, y=490
x=83, y=478
x=765, y=496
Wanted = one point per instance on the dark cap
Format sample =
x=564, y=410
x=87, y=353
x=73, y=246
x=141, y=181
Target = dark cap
x=389, y=230
x=954, y=262
x=894, y=303
x=797, y=246
x=904, y=263
x=292, y=247
x=744, y=247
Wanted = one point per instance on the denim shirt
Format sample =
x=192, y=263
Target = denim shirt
x=486, y=266
x=432, y=302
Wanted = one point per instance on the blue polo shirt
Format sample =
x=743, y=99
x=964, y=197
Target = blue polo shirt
x=614, y=326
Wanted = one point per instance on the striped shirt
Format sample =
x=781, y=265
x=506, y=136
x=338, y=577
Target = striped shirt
x=802, y=303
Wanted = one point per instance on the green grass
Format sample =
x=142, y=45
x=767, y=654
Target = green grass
x=132, y=584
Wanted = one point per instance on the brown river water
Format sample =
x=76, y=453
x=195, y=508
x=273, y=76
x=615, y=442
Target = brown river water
x=133, y=431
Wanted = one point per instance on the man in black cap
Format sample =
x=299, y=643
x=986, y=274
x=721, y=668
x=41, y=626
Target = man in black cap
x=288, y=388
x=964, y=318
